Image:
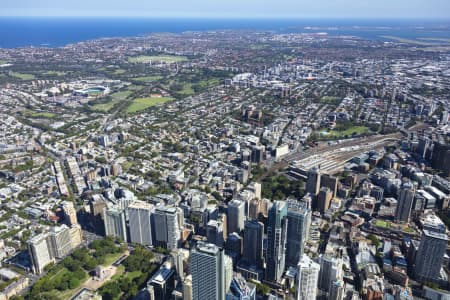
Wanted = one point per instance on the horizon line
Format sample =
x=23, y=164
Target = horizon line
x=225, y=17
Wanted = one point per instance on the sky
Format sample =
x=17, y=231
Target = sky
x=355, y=9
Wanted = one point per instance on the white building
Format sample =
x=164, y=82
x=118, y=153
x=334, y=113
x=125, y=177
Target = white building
x=139, y=213
x=308, y=276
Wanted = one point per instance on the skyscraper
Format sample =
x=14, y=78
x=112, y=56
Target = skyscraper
x=241, y=290
x=115, y=224
x=59, y=242
x=214, y=233
x=430, y=255
x=299, y=219
x=236, y=216
x=330, y=182
x=70, y=213
x=253, y=243
x=308, y=274
x=39, y=253
x=337, y=290
x=139, y=213
x=313, y=182
x=405, y=203
x=167, y=231
x=323, y=199
x=163, y=282
x=209, y=273
x=276, y=241
x=330, y=271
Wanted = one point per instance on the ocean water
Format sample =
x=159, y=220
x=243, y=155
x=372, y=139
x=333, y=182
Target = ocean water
x=54, y=32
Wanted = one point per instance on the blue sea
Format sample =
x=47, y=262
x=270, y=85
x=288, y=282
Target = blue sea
x=54, y=32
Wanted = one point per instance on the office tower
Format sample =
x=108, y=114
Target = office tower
x=377, y=192
x=59, y=241
x=70, y=213
x=115, y=224
x=236, y=216
x=330, y=271
x=241, y=289
x=76, y=236
x=233, y=246
x=139, y=213
x=214, y=233
x=313, y=182
x=276, y=241
x=405, y=203
x=253, y=209
x=337, y=290
x=163, y=282
x=96, y=206
x=167, y=231
x=251, y=264
x=441, y=157
x=253, y=243
x=430, y=256
x=324, y=199
x=40, y=255
x=330, y=182
x=187, y=288
x=178, y=257
x=209, y=273
x=299, y=219
x=308, y=275
x=255, y=187
x=257, y=154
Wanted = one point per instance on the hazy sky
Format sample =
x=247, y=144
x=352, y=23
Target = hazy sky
x=231, y=8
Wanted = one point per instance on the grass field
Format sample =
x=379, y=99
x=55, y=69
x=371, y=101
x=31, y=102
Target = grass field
x=330, y=100
x=119, y=71
x=67, y=293
x=116, y=98
x=147, y=78
x=408, y=41
x=383, y=224
x=354, y=130
x=39, y=114
x=54, y=73
x=141, y=104
x=22, y=76
x=111, y=258
x=156, y=59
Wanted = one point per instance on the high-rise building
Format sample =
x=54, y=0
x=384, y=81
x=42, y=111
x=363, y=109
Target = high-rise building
x=76, y=236
x=233, y=246
x=430, y=255
x=253, y=243
x=299, y=219
x=166, y=224
x=276, y=241
x=115, y=224
x=324, y=199
x=187, y=288
x=236, y=216
x=139, y=213
x=241, y=290
x=405, y=203
x=214, y=233
x=70, y=213
x=59, y=241
x=337, y=290
x=330, y=182
x=257, y=154
x=330, y=271
x=163, y=282
x=40, y=255
x=253, y=209
x=313, y=182
x=209, y=273
x=308, y=275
